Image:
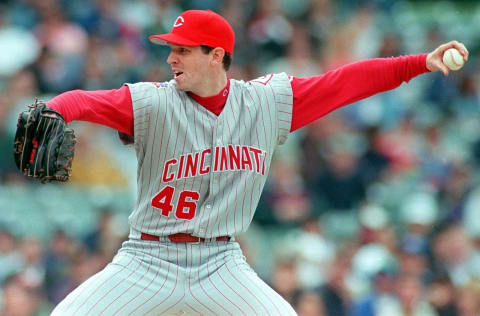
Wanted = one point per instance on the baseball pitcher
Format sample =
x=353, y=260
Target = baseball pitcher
x=204, y=145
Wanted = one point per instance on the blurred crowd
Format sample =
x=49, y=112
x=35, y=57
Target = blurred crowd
x=371, y=210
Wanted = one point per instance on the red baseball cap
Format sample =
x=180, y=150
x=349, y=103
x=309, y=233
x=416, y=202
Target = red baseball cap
x=199, y=27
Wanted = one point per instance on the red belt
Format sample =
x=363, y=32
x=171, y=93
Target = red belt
x=182, y=237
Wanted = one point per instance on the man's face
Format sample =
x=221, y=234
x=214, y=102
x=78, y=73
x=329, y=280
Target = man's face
x=190, y=67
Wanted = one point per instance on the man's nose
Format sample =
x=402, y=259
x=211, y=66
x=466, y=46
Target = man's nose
x=171, y=59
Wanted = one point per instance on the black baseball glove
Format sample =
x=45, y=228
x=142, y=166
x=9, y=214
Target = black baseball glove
x=44, y=146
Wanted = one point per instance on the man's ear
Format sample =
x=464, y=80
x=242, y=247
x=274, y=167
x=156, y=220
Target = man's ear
x=217, y=55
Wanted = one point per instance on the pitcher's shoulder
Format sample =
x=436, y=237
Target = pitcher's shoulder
x=267, y=79
x=152, y=85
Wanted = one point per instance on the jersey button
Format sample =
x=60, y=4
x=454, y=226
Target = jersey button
x=209, y=206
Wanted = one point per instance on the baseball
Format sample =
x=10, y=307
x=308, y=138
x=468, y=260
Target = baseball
x=453, y=59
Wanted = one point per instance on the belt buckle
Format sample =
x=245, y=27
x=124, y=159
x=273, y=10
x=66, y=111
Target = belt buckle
x=198, y=241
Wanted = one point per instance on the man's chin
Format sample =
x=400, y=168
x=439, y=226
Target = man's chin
x=179, y=87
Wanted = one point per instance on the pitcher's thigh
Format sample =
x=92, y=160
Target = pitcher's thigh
x=119, y=290
x=235, y=289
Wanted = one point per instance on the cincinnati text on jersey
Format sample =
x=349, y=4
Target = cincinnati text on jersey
x=226, y=158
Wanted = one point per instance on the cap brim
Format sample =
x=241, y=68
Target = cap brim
x=165, y=39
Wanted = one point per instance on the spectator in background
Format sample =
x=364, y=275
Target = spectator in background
x=33, y=271
x=367, y=262
x=58, y=263
x=340, y=183
x=309, y=303
x=410, y=299
x=334, y=292
x=382, y=293
x=22, y=87
x=442, y=296
x=284, y=279
x=20, y=300
x=453, y=252
x=418, y=212
x=413, y=260
x=105, y=240
x=82, y=266
x=455, y=192
x=62, y=62
x=321, y=17
x=468, y=299
x=400, y=146
x=23, y=47
x=373, y=163
x=285, y=199
x=314, y=256
x=299, y=60
x=390, y=45
x=374, y=224
x=11, y=259
x=95, y=239
x=468, y=95
x=269, y=30
x=286, y=195
x=433, y=167
x=313, y=145
x=471, y=219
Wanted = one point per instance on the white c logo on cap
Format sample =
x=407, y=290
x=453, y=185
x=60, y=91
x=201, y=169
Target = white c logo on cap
x=178, y=22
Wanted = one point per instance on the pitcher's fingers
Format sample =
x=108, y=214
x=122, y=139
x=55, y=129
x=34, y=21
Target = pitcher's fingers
x=443, y=68
x=463, y=50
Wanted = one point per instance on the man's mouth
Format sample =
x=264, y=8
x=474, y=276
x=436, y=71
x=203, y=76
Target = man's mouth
x=177, y=74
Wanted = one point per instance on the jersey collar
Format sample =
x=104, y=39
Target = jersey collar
x=214, y=103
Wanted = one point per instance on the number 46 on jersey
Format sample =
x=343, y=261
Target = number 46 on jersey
x=186, y=204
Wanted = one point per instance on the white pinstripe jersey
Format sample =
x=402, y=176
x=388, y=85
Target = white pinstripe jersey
x=200, y=173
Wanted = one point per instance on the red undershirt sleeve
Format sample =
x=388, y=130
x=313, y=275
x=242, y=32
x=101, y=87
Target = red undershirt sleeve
x=316, y=96
x=112, y=108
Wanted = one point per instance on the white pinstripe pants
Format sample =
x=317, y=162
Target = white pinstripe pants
x=164, y=278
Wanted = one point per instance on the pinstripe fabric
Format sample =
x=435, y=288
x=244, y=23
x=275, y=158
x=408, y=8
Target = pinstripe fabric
x=175, y=279
x=175, y=138
x=199, y=174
